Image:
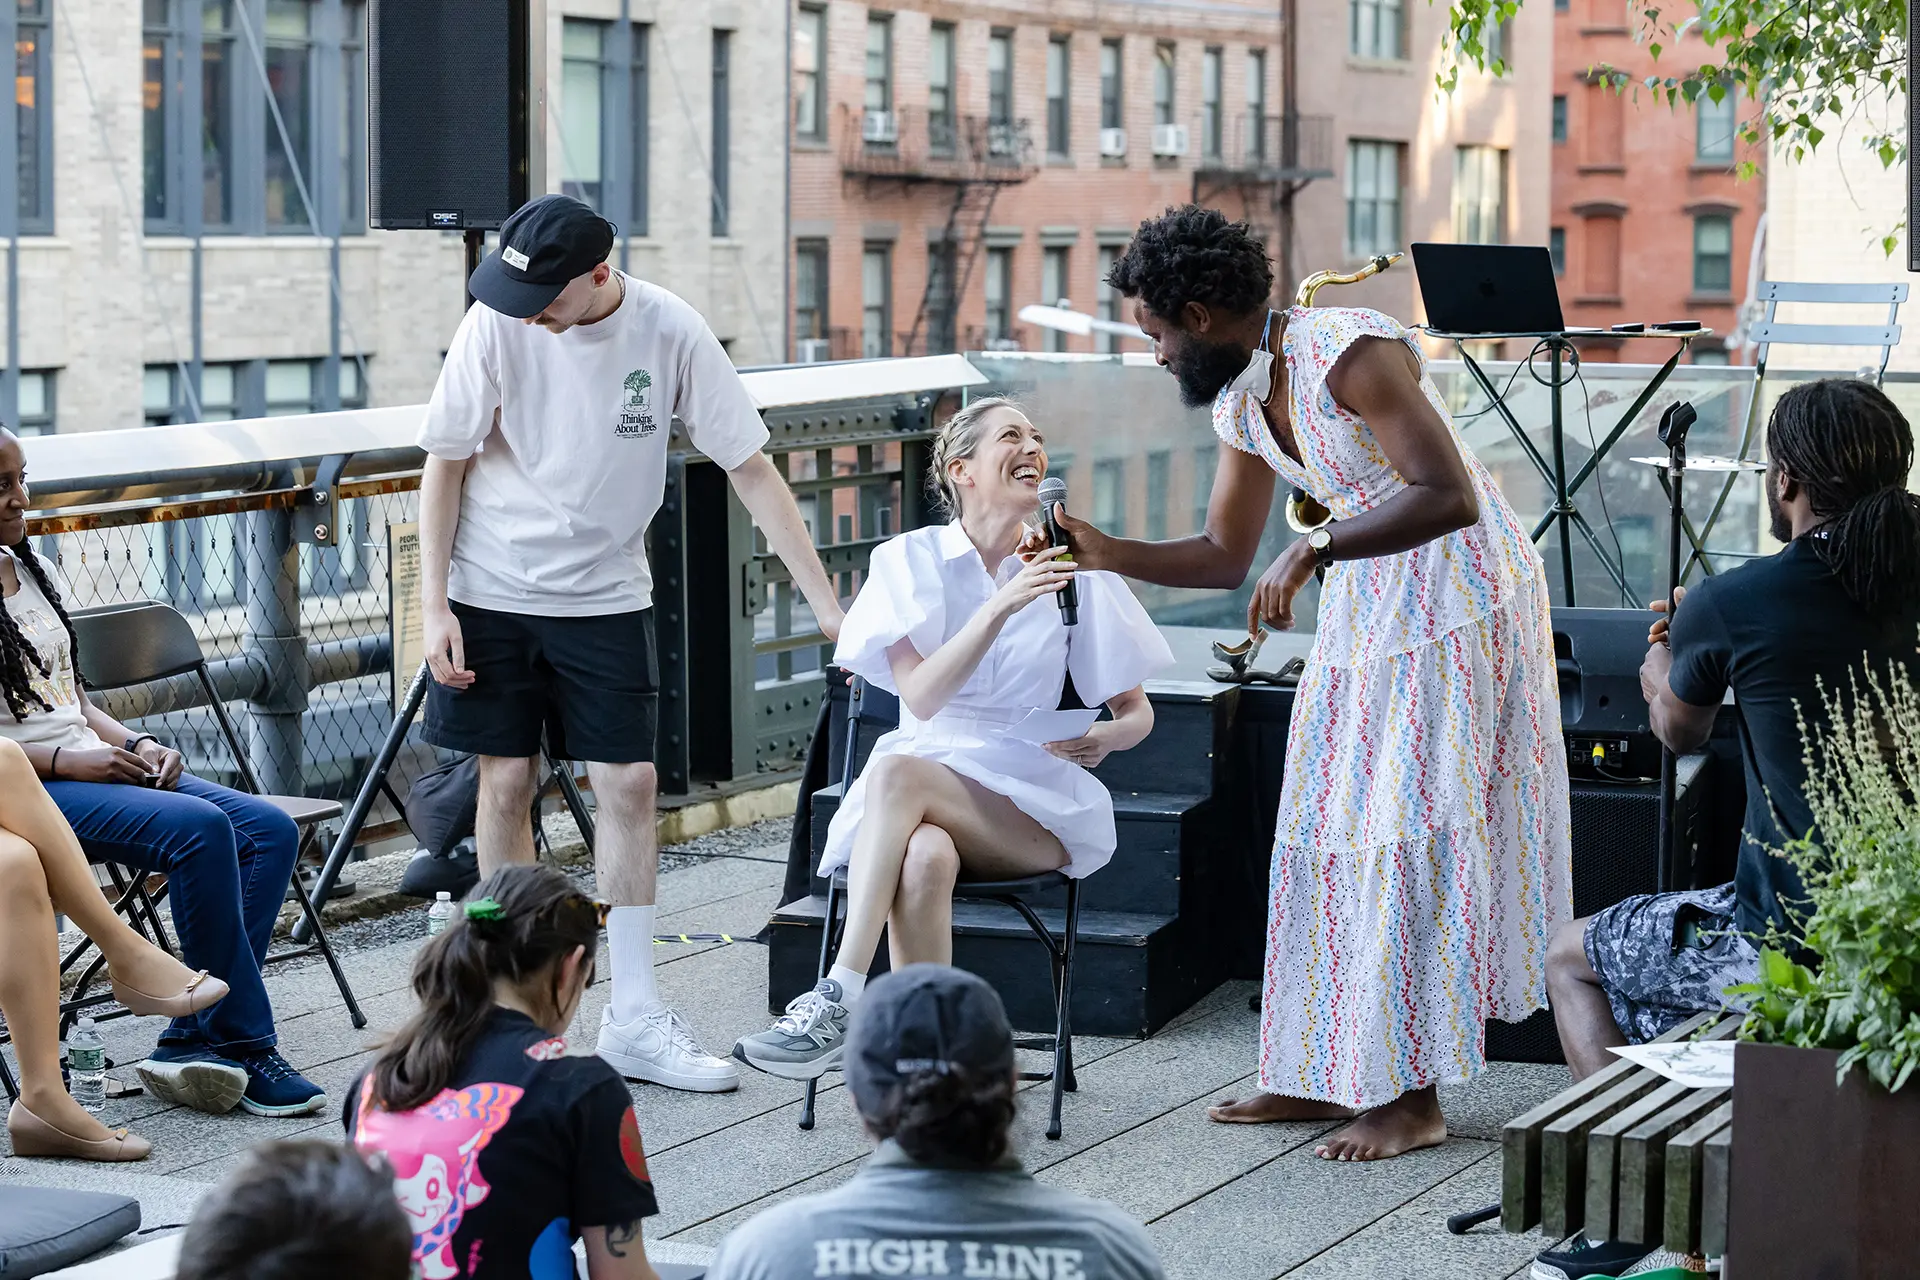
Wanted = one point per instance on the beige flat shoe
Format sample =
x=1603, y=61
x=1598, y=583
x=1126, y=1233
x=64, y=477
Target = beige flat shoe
x=33, y=1136
x=203, y=992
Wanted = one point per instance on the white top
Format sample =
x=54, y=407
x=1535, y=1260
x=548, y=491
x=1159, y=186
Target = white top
x=924, y=586
x=568, y=436
x=66, y=725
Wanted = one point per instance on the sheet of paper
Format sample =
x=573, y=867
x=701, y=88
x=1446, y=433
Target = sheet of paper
x=1706, y=1064
x=1054, y=726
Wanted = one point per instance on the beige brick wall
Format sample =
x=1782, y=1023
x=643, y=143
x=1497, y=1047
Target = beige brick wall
x=97, y=309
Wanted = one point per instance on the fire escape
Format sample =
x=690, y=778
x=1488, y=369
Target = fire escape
x=970, y=159
x=1266, y=159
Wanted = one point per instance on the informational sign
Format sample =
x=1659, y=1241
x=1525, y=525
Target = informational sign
x=403, y=607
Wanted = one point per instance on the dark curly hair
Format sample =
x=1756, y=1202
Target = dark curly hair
x=1192, y=254
x=948, y=1118
x=1852, y=450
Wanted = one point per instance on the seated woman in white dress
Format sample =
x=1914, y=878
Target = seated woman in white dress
x=970, y=639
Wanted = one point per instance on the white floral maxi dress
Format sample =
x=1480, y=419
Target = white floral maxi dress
x=1423, y=851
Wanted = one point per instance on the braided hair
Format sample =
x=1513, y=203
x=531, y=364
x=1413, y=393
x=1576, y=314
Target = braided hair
x=1851, y=449
x=18, y=658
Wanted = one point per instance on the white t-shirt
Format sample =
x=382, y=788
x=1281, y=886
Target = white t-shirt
x=568, y=436
x=66, y=725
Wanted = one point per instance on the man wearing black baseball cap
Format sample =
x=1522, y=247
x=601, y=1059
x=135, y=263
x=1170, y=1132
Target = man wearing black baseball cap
x=929, y=1063
x=547, y=455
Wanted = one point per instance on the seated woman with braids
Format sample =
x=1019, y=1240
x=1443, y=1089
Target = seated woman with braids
x=228, y=856
x=504, y=1147
x=42, y=870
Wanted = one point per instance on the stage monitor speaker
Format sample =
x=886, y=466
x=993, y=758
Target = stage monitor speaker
x=1598, y=653
x=455, y=111
x=1616, y=853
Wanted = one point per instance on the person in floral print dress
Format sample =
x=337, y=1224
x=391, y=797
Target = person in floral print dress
x=1423, y=851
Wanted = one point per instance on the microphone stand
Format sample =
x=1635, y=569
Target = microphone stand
x=1674, y=424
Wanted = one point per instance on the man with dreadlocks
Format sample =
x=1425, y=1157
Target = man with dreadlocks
x=227, y=856
x=1842, y=597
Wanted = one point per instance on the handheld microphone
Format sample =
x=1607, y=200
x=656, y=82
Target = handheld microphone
x=1053, y=490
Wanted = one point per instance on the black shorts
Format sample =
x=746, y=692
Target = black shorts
x=592, y=685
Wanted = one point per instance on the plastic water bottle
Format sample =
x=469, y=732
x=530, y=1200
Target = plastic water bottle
x=440, y=914
x=87, y=1066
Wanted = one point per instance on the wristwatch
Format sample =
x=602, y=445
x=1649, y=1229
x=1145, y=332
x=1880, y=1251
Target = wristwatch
x=1321, y=541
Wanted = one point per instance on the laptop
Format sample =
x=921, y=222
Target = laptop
x=1488, y=288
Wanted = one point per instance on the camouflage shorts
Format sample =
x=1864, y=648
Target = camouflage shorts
x=1654, y=975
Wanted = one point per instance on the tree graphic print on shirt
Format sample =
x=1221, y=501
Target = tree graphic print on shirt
x=636, y=410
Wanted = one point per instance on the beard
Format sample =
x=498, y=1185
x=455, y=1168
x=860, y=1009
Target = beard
x=1203, y=368
x=1779, y=523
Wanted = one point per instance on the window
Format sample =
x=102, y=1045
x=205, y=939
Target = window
x=200, y=562
x=722, y=130
x=809, y=290
x=1374, y=28
x=876, y=301
x=941, y=302
x=289, y=125
x=1111, y=114
x=1600, y=257
x=1210, y=102
x=999, y=287
x=35, y=406
x=1107, y=299
x=1496, y=38
x=291, y=387
x=1000, y=78
x=158, y=55
x=941, y=133
x=1373, y=198
x=809, y=68
x=1603, y=126
x=352, y=119
x=1159, y=468
x=1561, y=6
x=1053, y=290
x=879, y=62
x=1559, y=117
x=1256, y=104
x=1716, y=124
x=1557, y=249
x=1206, y=460
x=1713, y=253
x=582, y=108
x=1163, y=83
x=1058, y=67
x=1110, y=495
x=33, y=114
x=1479, y=195
x=640, y=118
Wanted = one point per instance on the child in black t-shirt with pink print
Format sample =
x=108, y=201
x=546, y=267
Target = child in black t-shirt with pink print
x=504, y=1147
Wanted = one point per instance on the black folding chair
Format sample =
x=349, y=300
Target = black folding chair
x=125, y=645
x=867, y=705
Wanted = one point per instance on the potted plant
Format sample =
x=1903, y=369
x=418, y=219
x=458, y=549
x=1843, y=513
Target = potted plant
x=1826, y=1111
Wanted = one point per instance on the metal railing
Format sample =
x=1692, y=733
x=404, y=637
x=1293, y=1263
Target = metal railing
x=914, y=144
x=275, y=538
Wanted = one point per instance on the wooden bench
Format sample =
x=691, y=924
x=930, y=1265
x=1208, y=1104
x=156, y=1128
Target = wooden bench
x=1625, y=1155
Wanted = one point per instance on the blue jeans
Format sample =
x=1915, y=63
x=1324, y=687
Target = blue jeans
x=228, y=858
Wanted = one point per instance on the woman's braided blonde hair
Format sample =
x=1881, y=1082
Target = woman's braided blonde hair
x=960, y=438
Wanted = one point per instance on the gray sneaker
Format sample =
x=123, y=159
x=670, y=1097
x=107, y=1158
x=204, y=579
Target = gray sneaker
x=804, y=1043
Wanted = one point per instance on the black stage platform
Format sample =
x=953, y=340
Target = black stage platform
x=1183, y=905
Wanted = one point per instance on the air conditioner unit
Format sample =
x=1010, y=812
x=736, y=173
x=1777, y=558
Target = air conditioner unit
x=879, y=127
x=1169, y=140
x=813, y=350
x=1113, y=142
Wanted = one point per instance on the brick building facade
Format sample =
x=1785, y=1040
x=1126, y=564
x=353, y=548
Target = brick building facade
x=955, y=160
x=1650, y=219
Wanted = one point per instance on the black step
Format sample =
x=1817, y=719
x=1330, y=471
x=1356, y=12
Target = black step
x=1132, y=971
x=1158, y=838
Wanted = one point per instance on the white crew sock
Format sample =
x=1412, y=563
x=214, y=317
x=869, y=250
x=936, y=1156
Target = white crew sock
x=630, y=946
x=852, y=983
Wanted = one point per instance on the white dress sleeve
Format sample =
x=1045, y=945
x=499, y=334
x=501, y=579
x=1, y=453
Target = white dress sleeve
x=903, y=597
x=1115, y=646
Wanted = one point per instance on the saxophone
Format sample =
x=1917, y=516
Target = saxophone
x=1305, y=513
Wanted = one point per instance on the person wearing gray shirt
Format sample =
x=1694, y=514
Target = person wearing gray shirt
x=930, y=1067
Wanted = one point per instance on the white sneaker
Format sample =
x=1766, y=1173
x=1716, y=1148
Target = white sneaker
x=659, y=1048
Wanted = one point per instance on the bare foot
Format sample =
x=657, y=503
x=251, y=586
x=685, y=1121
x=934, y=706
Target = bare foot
x=57, y=1108
x=1409, y=1122
x=1273, y=1108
